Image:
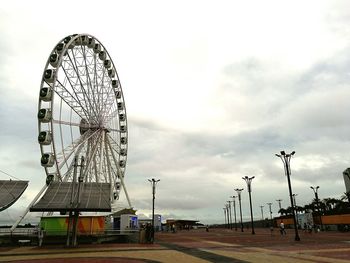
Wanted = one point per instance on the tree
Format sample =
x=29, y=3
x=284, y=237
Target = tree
x=309, y=207
x=289, y=210
x=299, y=209
x=283, y=211
x=346, y=196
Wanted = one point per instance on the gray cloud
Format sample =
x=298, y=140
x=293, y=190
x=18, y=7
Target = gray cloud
x=247, y=104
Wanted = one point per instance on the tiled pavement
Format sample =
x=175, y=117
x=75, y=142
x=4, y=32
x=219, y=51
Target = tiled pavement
x=218, y=245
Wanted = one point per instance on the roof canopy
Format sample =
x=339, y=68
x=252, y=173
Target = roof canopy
x=63, y=197
x=10, y=191
x=181, y=221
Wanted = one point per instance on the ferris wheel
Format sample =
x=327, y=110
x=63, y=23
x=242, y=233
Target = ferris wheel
x=81, y=114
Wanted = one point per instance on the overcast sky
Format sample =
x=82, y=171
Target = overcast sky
x=213, y=89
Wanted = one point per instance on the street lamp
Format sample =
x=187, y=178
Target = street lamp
x=228, y=216
x=279, y=203
x=315, y=189
x=270, y=204
x=225, y=216
x=295, y=206
x=285, y=157
x=239, y=190
x=249, y=184
x=262, y=212
x=294, y=200
x=234, y=209
x=154, y=183
x=230, y=221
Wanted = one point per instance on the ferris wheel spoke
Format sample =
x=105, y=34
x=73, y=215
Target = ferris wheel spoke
x=63, y=156
x=101, y=83
x=89, y=83
x=61, y=133
x=113, y=157
x=96, y=166
x=80, y=85
x=69, y=171
x=90, y=155
x=108, y=105
x=100, y=79
x=100, y=171
x=72, y=74
x=108, y=163
x=80, y=125
x=114, y=143
x=109, y=117
x=67, y=123
x=72, y=101
x=95, y=81
x=93, y=155
x=70, y=148
x=105, y=171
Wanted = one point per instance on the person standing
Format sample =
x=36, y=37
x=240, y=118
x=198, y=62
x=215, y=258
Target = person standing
x=41, y=236
x=282, y=230
x=149, y=233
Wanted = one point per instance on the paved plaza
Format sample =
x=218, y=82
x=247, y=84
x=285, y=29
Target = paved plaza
x=217, y=245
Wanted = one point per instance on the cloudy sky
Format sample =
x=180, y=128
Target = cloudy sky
x=213, y=89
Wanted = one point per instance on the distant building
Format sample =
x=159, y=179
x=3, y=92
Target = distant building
x=346, y=175
x=125, y=220
x=181, y=224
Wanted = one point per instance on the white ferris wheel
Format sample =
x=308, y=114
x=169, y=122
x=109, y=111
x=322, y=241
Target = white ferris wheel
x=81, y=113
x=82, y=118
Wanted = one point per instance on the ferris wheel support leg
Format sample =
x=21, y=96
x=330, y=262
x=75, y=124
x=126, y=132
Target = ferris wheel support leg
x=101, y=155
x=125, y=191
x=27, y=209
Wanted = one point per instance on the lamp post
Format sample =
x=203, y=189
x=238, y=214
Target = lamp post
x=225, y=216
x=239, y=190
x=285, y=157
x=229, y=207
x=279, y=203
x=234, y=209
x=294, y=200
x=295, y=207
x=154, y=183
x=262, y=212
x=270, y=204
x=249, y=185
x=228, y=215
x=315, y=189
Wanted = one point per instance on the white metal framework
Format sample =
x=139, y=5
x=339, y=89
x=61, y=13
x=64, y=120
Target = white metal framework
x=81, y=112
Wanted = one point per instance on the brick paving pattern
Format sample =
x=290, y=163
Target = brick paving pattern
x=218, y=245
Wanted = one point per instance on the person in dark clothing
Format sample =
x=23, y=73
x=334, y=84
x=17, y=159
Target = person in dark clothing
x=148, y=233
